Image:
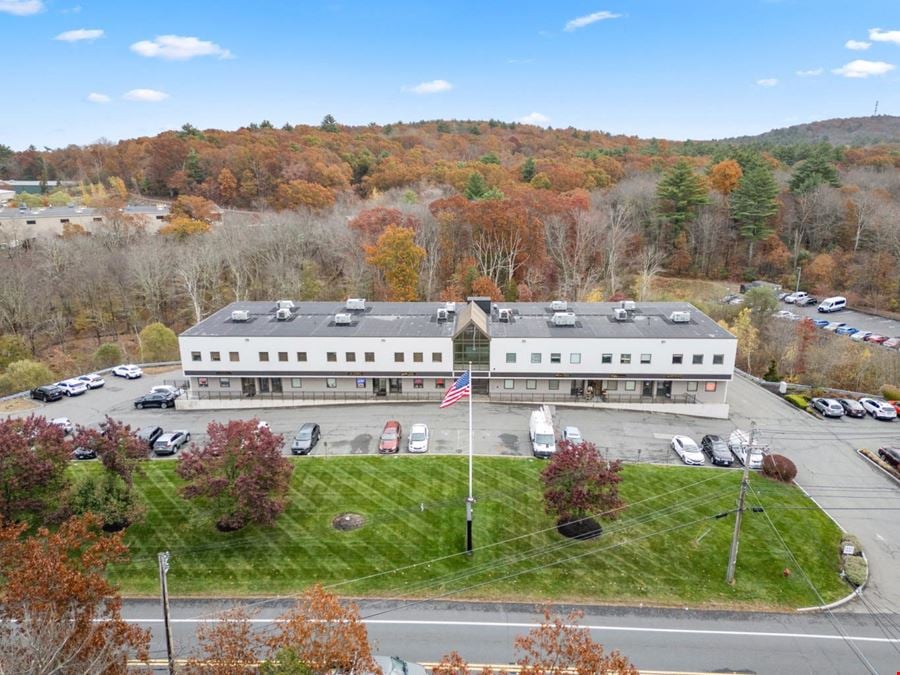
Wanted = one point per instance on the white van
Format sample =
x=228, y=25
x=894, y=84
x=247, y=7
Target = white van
x=541, y=433
x=835, y=304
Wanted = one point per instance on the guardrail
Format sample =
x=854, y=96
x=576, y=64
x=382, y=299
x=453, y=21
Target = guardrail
x=604, y=398
x=315, y=396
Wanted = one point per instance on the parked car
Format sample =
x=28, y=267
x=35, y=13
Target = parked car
x=171, y=442
x=785, y=314
x=128, y=371
x=389, y=442
x=573, y=435
x=687, y=450
x=852, y=407
x=46, y=393
x=63, y=423
x=876, y=339
x=717, y=450
x=861, y=335
x=418, y=438
x=806, y=300
x=84, y=452
x=394, y=665
x=792, y=298
x=893, y=343
x=820, y=323
x=733, y=299
x=154, y=400
x=891, y=456
x=167, y=389
x=72, y=387
x=834, y=325
x=783, y=295
x=896, y=405
x=306, y=438
x=149, y=435
x=878, y=409
x=92, y=381
x=828, y=407
x=846, y=330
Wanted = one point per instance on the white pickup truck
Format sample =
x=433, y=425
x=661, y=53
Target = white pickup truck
x=541, y=433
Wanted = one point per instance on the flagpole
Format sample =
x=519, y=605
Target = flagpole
x=470, y=500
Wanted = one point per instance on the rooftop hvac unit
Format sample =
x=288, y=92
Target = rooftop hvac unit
x=629, y=305
x=240, y=315
x=283, y=314
x=442, y=314
x=504, y=314
x=450, y=307
x=559, y=306
x=343, y=319
x=621, y=314
x=357, y=304
x=284, y=304
x=564, y=319
x=680, y=317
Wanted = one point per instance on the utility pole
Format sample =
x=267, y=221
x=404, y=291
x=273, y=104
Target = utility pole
x=163, y=559
x=798, y=279
x=736, y=536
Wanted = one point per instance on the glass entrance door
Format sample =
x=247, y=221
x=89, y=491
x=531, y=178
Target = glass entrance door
x=248, y=386
x=664, y=388
x=395, y=385
x=647, y=389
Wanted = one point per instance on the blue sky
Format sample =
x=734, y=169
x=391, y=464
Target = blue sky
x=78, y=70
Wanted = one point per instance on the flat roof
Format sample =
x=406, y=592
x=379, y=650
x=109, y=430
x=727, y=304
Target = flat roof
x=9, y=212
x=419, y=319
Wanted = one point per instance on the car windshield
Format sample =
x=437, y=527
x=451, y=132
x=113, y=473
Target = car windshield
x=544, y=439
x=417, y=436
x=720, y=447
x=304, y=435
x=389, y=435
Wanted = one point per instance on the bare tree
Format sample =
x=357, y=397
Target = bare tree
x=573, y=243
x=651, y=265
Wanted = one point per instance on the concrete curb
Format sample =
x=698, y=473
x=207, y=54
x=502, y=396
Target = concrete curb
x=857, y=592
x=878, y=466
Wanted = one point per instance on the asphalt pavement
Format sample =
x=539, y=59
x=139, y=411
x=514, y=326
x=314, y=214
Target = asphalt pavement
x=877, y=324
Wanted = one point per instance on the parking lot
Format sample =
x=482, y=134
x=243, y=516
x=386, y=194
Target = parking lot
x=876, y=324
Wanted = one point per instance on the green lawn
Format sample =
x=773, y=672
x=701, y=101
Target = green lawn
x=665, y=548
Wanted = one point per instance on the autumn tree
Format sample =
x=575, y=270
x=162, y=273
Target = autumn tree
x=371, y=223
x=158, y=343
x=227, y=186
x=762, y=302
x=58, y=613
x=398, y=258
x=302, y=194
x=746, y=333
x=239, y=476
x=34, y=457
x=753, y=204
x=226, y=647
x=681, y=192
x=12, y=348
x=724, y=176
x=23, y=375
x=580, y=486
x=485, y=287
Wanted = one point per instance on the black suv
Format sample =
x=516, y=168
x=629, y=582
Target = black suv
x=149, y=435
x=155, y=399
x=717, y=450
x=47, y=392
x=891, y=456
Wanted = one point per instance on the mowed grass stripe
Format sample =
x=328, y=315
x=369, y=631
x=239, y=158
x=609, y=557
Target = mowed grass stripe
x=415, y=519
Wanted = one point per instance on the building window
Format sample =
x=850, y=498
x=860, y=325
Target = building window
x=331, y=357
x=510, y=357
x=624, y=358
x=370, y=357
x=301, y=356
x=215, y=356
x=296, y=383
x=606, y=358
x=64, y=220
x=697, y=360
x=677, y=359
x=630, y=385
x=31, y=222
x=398, y=357
x=555, y=357
x=224, y=383
x=202, y=382
x=575, y=357
x=195, y=356
x=692, y=386
x=436, y=357
x=264, y=356
x=439, y=383
x=612, y=385
x=418, y=383
x=509, y=384
x=531, y=384
x=718, y=359
x=553, y=385
x=331, y=382
x=417, y=357
x=282, y=356
x=535, y=357
x=234, y=356
x=97, y=220
x=710, y=386
x=350, y=357
x=645, y=358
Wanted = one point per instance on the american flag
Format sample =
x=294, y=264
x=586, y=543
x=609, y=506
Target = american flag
x=460, y=389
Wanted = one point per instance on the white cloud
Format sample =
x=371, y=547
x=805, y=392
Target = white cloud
x=432, y=87
x=535, y=118
x=179, y=48
x=857, y=45
x=21, y=7
x=94, y=97
x=878, y=35
x=767, y=82
x=80, y=34
x=145, y=95
x=588, y=19
x=813, y=72
x=861, y=68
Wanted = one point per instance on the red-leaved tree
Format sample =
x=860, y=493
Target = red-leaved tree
x=117, y=447
x=239, y=475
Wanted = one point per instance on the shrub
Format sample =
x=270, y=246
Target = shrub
x=855, y=569
x=851, y=540
x=23, y=375
x=779, y=467
x=158, y=343
x=890, y=392
x=798, y=400
x=107, y=355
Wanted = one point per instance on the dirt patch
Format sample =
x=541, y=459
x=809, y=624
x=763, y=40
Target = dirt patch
x=348, y=521
x=585, y=528
x=17, y=404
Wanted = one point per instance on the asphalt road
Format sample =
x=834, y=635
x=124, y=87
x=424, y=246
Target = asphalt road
x=671, y=640
x=877, y=324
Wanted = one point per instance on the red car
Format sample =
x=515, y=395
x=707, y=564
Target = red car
x=876, y=339
x=896, y=405
x=389, y=443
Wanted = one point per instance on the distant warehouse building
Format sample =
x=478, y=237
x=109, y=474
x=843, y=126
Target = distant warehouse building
x=18, y=224
x=646, y=356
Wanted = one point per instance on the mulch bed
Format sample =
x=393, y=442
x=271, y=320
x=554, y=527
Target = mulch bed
x=348, y=521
